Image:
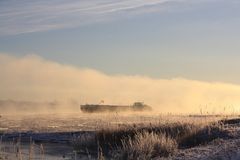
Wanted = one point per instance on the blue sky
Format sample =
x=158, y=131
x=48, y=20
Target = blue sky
x=193, y=39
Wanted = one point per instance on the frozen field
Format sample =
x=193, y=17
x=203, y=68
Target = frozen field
x=89, y=122
x=51, y=136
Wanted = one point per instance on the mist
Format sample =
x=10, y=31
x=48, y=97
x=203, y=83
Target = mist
x=39, y=82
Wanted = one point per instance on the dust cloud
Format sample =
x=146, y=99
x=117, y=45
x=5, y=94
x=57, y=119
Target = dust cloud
x=35, y=84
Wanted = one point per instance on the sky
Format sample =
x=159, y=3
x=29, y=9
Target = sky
x=163, y=41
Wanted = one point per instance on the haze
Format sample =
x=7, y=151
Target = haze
x=178, y=56
x=32, y=78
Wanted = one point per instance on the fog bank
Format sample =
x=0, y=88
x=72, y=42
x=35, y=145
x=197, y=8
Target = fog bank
x=32, y=78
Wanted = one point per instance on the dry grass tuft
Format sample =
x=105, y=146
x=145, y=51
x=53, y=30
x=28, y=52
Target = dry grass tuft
x=203, y=135
x=146, y=145
x=149, y=141
x=85, y=143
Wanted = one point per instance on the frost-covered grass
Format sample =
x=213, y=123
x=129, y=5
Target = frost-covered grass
x=147, y=145
x=145, y=141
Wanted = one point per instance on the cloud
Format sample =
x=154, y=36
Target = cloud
x=32, y=78
x=33, y=16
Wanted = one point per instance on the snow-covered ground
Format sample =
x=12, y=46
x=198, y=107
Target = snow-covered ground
x=218, y=149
